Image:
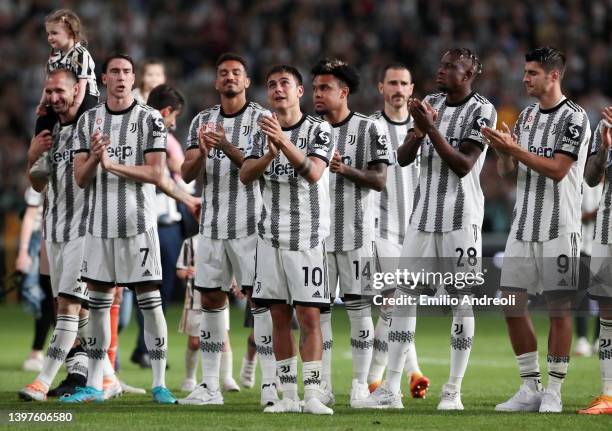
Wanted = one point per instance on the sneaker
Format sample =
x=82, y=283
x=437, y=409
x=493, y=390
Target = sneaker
x=326, y=396
x=525, y=400
x=359, y=391
x=602, y=405
x=381, y=398
x=41, y=169
x=418, y=385
x=33, y=364
x=316, y=407
x=551, y=402
x=286, y=405
x=162, y=395
x=85, y=394
x=188, y=385
x=127, y=389
x=230, y=385
x=34, y=392
x=372, y=386
x=68, y=385
x=111, y=387
x=450, y=398
x=247, y=373
x=201, y=396
x=269, y=395
x=583, y=348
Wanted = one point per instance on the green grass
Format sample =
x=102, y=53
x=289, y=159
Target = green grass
x=491, y=378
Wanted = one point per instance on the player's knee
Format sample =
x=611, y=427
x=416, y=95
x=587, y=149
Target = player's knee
x=193, y=343
x=214, y=299
x=358, y=308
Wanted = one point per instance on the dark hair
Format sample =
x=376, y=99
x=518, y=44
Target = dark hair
x=280, y=68
x=393, y=66
x=230, y=56
x=114, y=56
x=469, y=55
x=549, y=58
x=69, y=73
x=340, y=70
x=164, y=95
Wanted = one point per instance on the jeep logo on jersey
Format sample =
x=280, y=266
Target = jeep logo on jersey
x=120, y=152
x=381, y=145
x=280, y=169
x=541, y=151
x=63, y=156
x=573, y=132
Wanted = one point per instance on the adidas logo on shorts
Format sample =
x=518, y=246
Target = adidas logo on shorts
x=317, y=294
x=147, y=273
x=77, y=290
x=562, y=283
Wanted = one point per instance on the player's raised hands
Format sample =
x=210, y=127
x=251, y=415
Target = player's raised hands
x=336, y=165
x=423, y=114
x=214, y=137
x=39, y=144
x=501, y=140
x=202, y=141
x=272, y=129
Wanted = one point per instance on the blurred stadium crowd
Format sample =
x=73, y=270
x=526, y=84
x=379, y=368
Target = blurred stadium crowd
x=188, y=36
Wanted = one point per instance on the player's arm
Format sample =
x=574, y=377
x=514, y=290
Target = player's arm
x=596, y=163
x=38, y=145
x=407, y=152
x=311, y=166
x=24, y=260
x=151, y=172
x=374, y=177
x=256, y=163
x=194, y=163
x=216, y=139
x=506, y=164
x=86, y=159
x=176, y=192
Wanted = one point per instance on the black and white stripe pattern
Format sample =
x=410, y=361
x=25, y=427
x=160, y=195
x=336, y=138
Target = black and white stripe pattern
x=546, y=209
x=443, y=201
x=295, y=213
x=120, y=207
x=602, y=222
x=393, y=206
x=66, y=204
x=230, y=209
x=361, y=141
x=78, y=60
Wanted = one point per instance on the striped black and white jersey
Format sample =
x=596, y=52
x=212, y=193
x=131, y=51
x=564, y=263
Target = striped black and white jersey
x=544, y=208
x=230, y=209
x=121, y=207
x=443, y=201
x=603, y=224
x=360, y=142
x=79, y=60
x=66, y=204
x=295, y=213
x=392, y=206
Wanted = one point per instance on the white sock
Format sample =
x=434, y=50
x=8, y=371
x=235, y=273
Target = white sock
x=362, y=337
x=311, y=374
x=262, y=328
x=227, y=365
x=61, y=342
x=401, y=335
x=529, y=369
x=76, y=362
x=605, y=355
x=212, y=341
x=462, y=338
x=328, y=344
x=155, y=334
x=381, y=346
x=287, y=374
x=191, y=363
x=411, y=366
x=99, y=336
x=557, y=369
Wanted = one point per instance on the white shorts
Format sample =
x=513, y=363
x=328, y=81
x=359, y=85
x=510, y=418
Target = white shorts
x=441, y=256
x=65, y=259
x=218, y=261
x=387, y=258
x=542, y=266
x=352, y=270
x=291, y=277
x=126, y=262
x=601, y=271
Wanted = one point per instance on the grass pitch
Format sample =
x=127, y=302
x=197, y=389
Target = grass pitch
x=491, y=378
